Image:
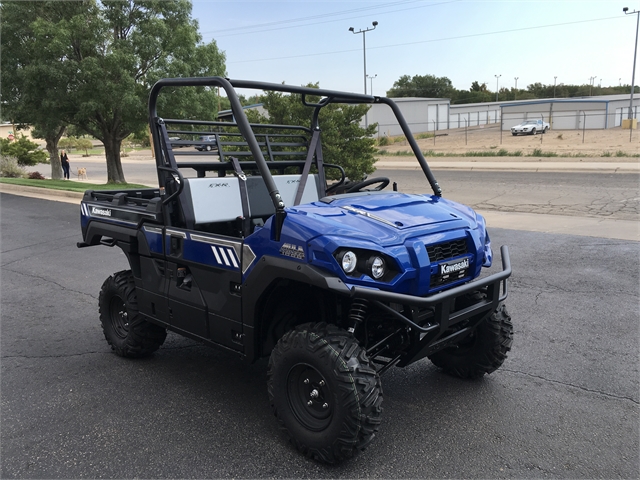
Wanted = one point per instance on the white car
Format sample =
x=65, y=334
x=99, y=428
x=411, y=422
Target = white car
x=530, y=127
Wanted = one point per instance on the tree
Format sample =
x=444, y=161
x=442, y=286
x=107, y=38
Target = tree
x=110, y=54
x=34, y=82
x=344, y=142
x=428, y=86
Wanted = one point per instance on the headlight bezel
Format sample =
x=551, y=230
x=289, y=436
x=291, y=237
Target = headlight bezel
x=367, y=261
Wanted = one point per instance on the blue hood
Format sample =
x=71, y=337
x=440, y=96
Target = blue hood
x=384, y=218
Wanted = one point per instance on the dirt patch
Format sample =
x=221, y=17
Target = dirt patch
x=612, y=142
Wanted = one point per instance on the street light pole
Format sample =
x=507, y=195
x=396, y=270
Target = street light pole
x=497, y=79
x=371, y=82
x=515, y=95
x=592, y=80
x=554, y=86
x=633, y=74
x=364, y=49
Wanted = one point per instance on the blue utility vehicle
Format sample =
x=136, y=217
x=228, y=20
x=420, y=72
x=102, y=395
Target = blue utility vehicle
x=264, y=249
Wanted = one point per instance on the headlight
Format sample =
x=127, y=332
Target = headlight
x=349, y=261
x=376, y=267
x=356, y=262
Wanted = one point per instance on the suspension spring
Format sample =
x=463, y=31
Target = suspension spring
x=358, y=312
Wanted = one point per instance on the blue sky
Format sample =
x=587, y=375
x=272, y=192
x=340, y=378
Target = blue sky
x=306, y=41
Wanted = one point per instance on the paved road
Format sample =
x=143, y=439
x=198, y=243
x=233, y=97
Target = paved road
x=564, y=405
x=592, y=204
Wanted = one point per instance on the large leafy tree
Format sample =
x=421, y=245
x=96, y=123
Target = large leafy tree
x=426, y=86
x=344, y=141
x=34, y=82
x=110, y=53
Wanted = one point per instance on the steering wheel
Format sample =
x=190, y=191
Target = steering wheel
x=383, y=181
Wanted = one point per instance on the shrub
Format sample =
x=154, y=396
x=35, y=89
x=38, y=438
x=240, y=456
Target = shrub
x=23, y=150
x=36, y=176
x=383, y=141
x=9, y=167
x=559, y=137
x=620, y=153
x=606, y=153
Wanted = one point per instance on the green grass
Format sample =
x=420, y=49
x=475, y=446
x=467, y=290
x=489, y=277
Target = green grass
x=69, y=185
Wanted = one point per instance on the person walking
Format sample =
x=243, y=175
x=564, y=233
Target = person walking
x=64, y=161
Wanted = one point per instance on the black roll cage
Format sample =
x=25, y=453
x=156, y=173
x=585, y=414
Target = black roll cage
x=168, y=168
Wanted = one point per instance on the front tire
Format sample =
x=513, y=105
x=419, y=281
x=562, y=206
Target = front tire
x=124, y=328
x=534, y=131
x=325, y=393
x=483, y=351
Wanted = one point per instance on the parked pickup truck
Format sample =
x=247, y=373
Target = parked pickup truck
x=530, y=127
x=260, y=253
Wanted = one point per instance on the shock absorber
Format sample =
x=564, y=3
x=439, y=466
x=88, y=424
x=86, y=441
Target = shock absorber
x=357, y=313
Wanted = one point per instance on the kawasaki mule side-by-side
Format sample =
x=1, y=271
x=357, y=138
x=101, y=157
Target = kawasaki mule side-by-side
x=264, y=249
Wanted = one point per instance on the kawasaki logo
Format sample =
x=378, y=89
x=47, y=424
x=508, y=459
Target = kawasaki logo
x=216, y=185
x=447, y=268
x=105, y=212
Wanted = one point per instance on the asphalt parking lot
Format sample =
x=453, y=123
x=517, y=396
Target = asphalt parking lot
x=564, y=405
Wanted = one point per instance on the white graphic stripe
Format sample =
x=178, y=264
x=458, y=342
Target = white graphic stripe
x=224, y=257
x=215, y=252
x=232, y=256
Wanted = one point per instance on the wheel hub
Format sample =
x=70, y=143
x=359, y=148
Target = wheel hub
x=309, y=397
x=119, y=317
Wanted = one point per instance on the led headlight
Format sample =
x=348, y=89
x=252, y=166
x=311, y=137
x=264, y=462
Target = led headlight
x=349, y=261
x=376, y=267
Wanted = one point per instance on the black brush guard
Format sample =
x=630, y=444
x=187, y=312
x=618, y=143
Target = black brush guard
x=436, y=333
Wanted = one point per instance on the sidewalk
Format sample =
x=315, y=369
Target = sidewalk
x=516, y=164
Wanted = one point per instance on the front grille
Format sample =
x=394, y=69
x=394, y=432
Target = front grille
x=442, y=251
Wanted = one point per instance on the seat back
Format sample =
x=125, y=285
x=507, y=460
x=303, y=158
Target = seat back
x=260, y=204
x=213, y=199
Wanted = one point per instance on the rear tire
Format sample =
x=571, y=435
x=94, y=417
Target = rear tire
x=123, y=326
x=483, y=351
x=324, y=392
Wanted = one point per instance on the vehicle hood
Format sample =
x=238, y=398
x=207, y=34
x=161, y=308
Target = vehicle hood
x=382, y=218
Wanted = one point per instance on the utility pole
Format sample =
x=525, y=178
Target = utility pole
x=364, y=56
x=497, y=80
x=635, y=51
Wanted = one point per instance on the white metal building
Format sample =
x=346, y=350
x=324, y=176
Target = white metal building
x=429, y=114
x=601, y=112
x=422, y=115
x=474, y=114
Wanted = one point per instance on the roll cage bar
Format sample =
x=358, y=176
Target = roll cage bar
x=167, y=166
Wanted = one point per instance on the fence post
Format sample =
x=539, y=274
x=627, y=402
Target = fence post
x=465, y=131
x=584, y=123
x=434, y=133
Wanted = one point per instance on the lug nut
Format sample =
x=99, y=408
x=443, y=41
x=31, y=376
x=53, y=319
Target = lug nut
x=321, y=383
x=310, y=402
x=325, y=406
x=306, y=381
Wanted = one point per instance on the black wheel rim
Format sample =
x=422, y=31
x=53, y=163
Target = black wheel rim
x=309, y=397
x=119, y=317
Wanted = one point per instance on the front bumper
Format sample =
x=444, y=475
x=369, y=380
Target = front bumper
x=437, y=333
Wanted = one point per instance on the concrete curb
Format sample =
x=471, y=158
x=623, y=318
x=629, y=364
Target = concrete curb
x=43, y=193
x=585, y=167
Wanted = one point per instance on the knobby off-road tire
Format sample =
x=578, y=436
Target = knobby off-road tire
x=324, y=392
x=123, y=326
x=483, y=351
